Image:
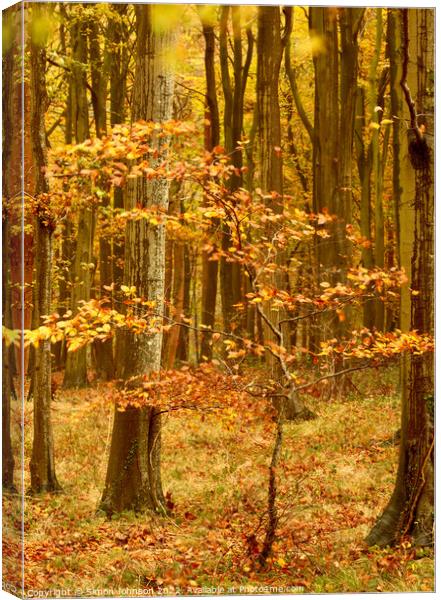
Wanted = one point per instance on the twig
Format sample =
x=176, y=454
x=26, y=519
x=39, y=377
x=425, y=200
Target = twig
x=273, y=517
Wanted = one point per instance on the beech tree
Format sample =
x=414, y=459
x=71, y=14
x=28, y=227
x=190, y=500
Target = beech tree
x=133, y=477
x=42, y=466
x=82, y=264
x=335, y=67
x=210, y=267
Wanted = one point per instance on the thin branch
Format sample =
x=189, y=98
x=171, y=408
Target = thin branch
x=334, y=375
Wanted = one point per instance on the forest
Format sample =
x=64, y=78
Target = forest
x=218, y=299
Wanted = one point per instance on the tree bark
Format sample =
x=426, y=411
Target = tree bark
x=334, y=116
x=8, y=461
x=119, y=62
x=133, y=479
x=323, y=23
x=99, y=69
x=233, y=90
x=42, y=465
x=270, y=47
x=67, y=246
x=212, y=134
x=410, y=509
x=11, y=106
x=75, y=375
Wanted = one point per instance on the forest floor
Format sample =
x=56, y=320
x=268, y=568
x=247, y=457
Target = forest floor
x=336, y=474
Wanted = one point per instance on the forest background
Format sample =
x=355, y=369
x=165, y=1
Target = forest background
x=228, y=261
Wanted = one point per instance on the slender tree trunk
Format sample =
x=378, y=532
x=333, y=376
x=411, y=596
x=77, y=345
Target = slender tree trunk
x=178, y=303
x=99, y=67
x=76, y=364
x=376, y=117
x=182, y=351
x=67, y=245
x=174, y=285
x=323, y=23
x=364, y=162
x=334, y=116
x=119, y=60
x=270, y=46
x=42, y=465
x=350, y=21
x=233, y=89
x=133, y=479
x=104, y=360
x=212, y=135
x=269, y=55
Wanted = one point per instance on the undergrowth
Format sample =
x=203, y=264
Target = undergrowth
x=336, y=474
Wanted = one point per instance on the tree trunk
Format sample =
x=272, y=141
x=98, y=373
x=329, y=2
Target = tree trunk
x=230, y=272
x=270, y=46
x=323, y=23
x=350, y=22
x=42, y=465
x=269, y=56
x=119, y=60
x=67, y=246
x=7, y=382
x=76, y=364
x=182, y=351
x=104, y=361
x=376, y=118
x=410, y=509
x=178, y=303
x=209, y=267
x=11, y=105
x=99, y=67
x=133, y=479
x=334, y=116
x=364, y=163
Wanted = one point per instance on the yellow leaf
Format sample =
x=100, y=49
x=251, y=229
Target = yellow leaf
x=281, y=562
